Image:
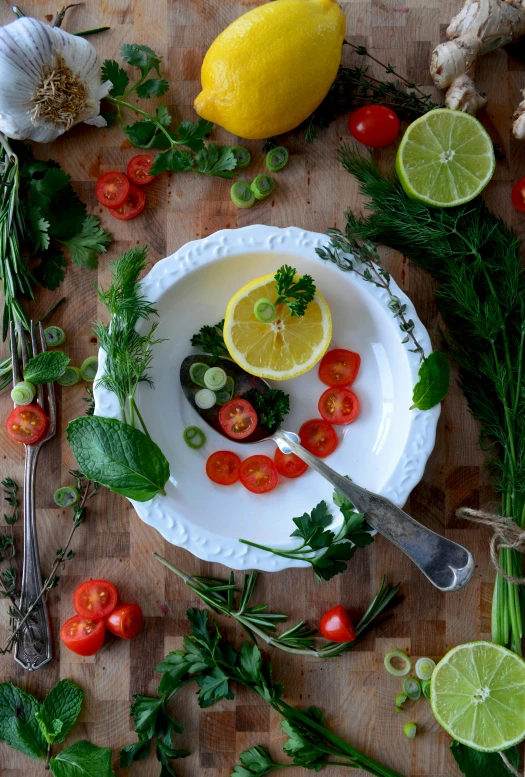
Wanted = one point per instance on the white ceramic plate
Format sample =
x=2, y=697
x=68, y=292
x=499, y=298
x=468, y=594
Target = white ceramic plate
x=384, y=450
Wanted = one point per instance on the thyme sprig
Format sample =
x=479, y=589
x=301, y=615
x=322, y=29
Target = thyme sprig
x=11, y=497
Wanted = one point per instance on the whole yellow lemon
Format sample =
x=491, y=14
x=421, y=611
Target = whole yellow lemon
x=272, y=67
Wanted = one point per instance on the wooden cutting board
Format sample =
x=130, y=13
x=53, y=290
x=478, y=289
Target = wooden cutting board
x=314, y=191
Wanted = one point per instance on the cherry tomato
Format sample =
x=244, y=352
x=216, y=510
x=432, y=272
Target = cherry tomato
x=95, y=599
x=125, y=621
x=336, y=625
x=133, y=205
x=289, y=465
x=138, y=169
x=112, y=189
x=26, y=423
x=238, y=418
x=339, y=367
x=518, y=195
x=318, y=437
x=83, y=637
x=374, y=125
x=223, y=468
x=339, y=406
x=258, y=474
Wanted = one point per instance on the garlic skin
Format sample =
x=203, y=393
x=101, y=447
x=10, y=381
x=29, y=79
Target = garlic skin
x=28, y=50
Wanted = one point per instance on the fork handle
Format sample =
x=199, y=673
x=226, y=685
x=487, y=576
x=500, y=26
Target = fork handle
x=33, y=646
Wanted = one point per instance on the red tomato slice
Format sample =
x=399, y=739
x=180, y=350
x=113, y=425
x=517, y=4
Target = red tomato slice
x=125, y=621
x=238, y=418
x=138, y=169
x=336, y=625
x=339, y=406
x=112, y=189
x=258, y=474
x=223, y=468
x=95, y=599
x=518, y=195
x=83, y=637
x=318, y=437
x=26, y=424
x=374, y=125
x=133, y=205
x=289, y=465
x=339, y=367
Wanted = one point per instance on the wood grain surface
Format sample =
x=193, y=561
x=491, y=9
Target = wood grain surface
x=313, y=192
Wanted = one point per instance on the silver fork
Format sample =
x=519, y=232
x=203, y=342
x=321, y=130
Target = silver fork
x=33, y=646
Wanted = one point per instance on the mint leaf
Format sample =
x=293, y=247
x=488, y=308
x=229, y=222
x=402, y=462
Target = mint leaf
x=46, y=367
x=60, y=710
x=146, y=134
x=153, y=87
x=140, y=56
x=50, y=272
x=216, y=160
x=88, y=243
x=177, y=159
x=18, y=725
x=111, y=71
x=82, y=760
x=474, y=763
x=432, y=386
x=118, y=456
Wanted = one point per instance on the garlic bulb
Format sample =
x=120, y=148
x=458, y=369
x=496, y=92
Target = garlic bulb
x=49, y=81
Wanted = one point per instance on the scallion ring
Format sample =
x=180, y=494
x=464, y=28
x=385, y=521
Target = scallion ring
x=400, y=700
x=262, y=186
x=425, y=668
x=410, y=730
x=276, y=159
x=88, y=368
x=23, y=393
x=67, y=496
x=412, y=688
x=242, y=155
x=242, y=195
x=425, y=687
x=70, y=377
x=194, y=437
x=402, y=657
x=226, y=393
x=197, y=372
x=264, y=310
x=215, y=378
x=55, y=336
x=205, y=399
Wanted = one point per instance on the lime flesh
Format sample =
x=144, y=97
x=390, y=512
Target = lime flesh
x=445, y=158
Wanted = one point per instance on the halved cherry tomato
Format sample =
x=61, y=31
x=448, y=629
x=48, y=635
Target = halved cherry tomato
x=258, y=474
x=339, y=367
x=133, y=205
x=339, y=406
x=125, y=621
x=138, y=169
x=112, y=189
x=26, y=423
x=289, y=465
x=518, y=194
x=83, y=637
x=318, y=437
x=95, y=599
x=238, y=418
x=336, y=625
x=374, y=125
x=223, y=468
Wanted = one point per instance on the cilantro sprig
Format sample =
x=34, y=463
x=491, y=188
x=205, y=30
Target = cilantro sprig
x=182, y=148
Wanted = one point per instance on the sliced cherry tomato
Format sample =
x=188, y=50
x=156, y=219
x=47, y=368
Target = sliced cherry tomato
x=374, y=125
x=125, y=621
x=83, y=637
x=336, y=625
x=339, y=367
x=518, y=195
x=318, y=437
x=112, y=189
x=223, y=468
x=138, y=169
x=289, y=465
x=95, y=599
x=26, y=423
x=258, y=474
x=339, y=406
x=238, y=418
x=133, y=205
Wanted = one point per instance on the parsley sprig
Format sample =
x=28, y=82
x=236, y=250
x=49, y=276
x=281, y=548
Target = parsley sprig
x=184, y=146
x=211, y=340
x=271, y=406
x=295, y=293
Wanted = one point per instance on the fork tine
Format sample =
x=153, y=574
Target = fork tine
x=51, y=401
x=23, y=345
x=14, y=354
x=34, y=348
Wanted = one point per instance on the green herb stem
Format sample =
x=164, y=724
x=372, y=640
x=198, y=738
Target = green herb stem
x=124, y=104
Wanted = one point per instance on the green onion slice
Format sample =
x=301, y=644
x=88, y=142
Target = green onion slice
x=88, y=368
x=410, y=730
x=226, y=393
x=397, y=672
x=262, y=186
x=425, y=668
x=264, y=310
x=23, y=393
x=412, y=688
x=425, y=687
x=400, y=700
x=242, y=155
x=242, y=195
x=276, y=159
x=205, y=398
x=215, y=378
x=67, y=496
x=197, y=372
x=194, y=437
x=70, y=377
x=55, y=336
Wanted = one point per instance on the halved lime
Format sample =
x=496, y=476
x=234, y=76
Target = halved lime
x=477, y=693
x=445, y=158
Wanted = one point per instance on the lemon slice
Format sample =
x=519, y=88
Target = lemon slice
x=445, y=158
x=282, y=349
x=477, y=694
